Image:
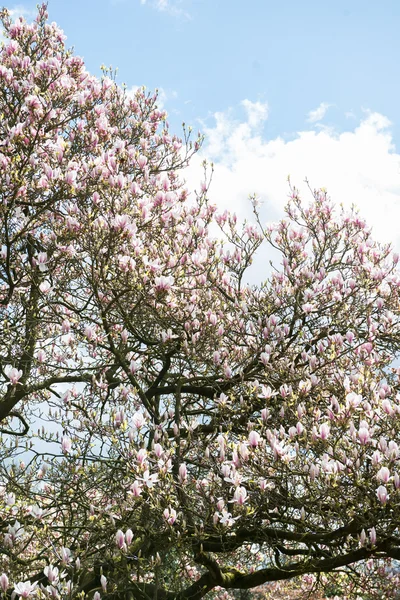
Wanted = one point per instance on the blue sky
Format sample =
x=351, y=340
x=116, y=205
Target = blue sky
x=214, y=53
x=308, y=88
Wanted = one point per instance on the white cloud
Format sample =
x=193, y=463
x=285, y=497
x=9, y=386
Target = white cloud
x=359, y=166
x=257, y=112
x=172, y=7
x=318, y=114
x=20, y=10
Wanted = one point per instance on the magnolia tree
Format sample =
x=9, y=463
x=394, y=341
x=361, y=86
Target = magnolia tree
x=168, y=431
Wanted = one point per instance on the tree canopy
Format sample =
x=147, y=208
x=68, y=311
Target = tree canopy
x=168, y=430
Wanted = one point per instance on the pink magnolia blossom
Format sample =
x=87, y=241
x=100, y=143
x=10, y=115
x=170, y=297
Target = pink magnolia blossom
x=136, y=489
x=149, y=479
x=382, y=494
x=138, y=420
x=163, y=283
x=128, y=536
x=45, y=287
x=13, y=374
x=324, y=431
x=363, y=435
x=25, y=589
x=254, y=439
x=134, y=366
x=66, y=445
x=182, y=473
x=52, y=573
x=372, y=536
x=383, y=475
x=170, y=515
x=4, y=582
x=42, y=261
x=41, y=356
x=225, y=518
x=66, y=556
x=141, y=456
x=363, y=537
x=240, y=496
x=120, y=539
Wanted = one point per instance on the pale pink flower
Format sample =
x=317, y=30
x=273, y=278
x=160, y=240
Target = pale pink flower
x=66, y=444
x=4, y=582
x=163, y=283
x=372, y=536
x=324, y=431
x=244, y=451
x=158, y=450
x=220, y=504
x=313, y=471
x=34, y=104
x=213, y=319
x=42, y=261
x=228, y=372
x=263, y=484
x=136, y=489
x=66, y=556
x=363, y=537
x=25, y=588
x=141, y=456
x=240, y=495
x=89, y=332
x=51, y=573
x=387, y=407
x=226, y=518
x=70, y=177
x=182, y=473
x=120, y=539
x=133, y=366
x=103, y=583
x=216, y=358
x=129, y=536
x=363, y=435
x=149, y=480
x=126, y=263
x=308, y=308
x=15, y=531
x=353, y=400
x=170, y=515
x=383, y=475
x=41, y=356
x=13, y=374
x=45, y=287
x=138, y=420
x=142, y=161
x=382, y=494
